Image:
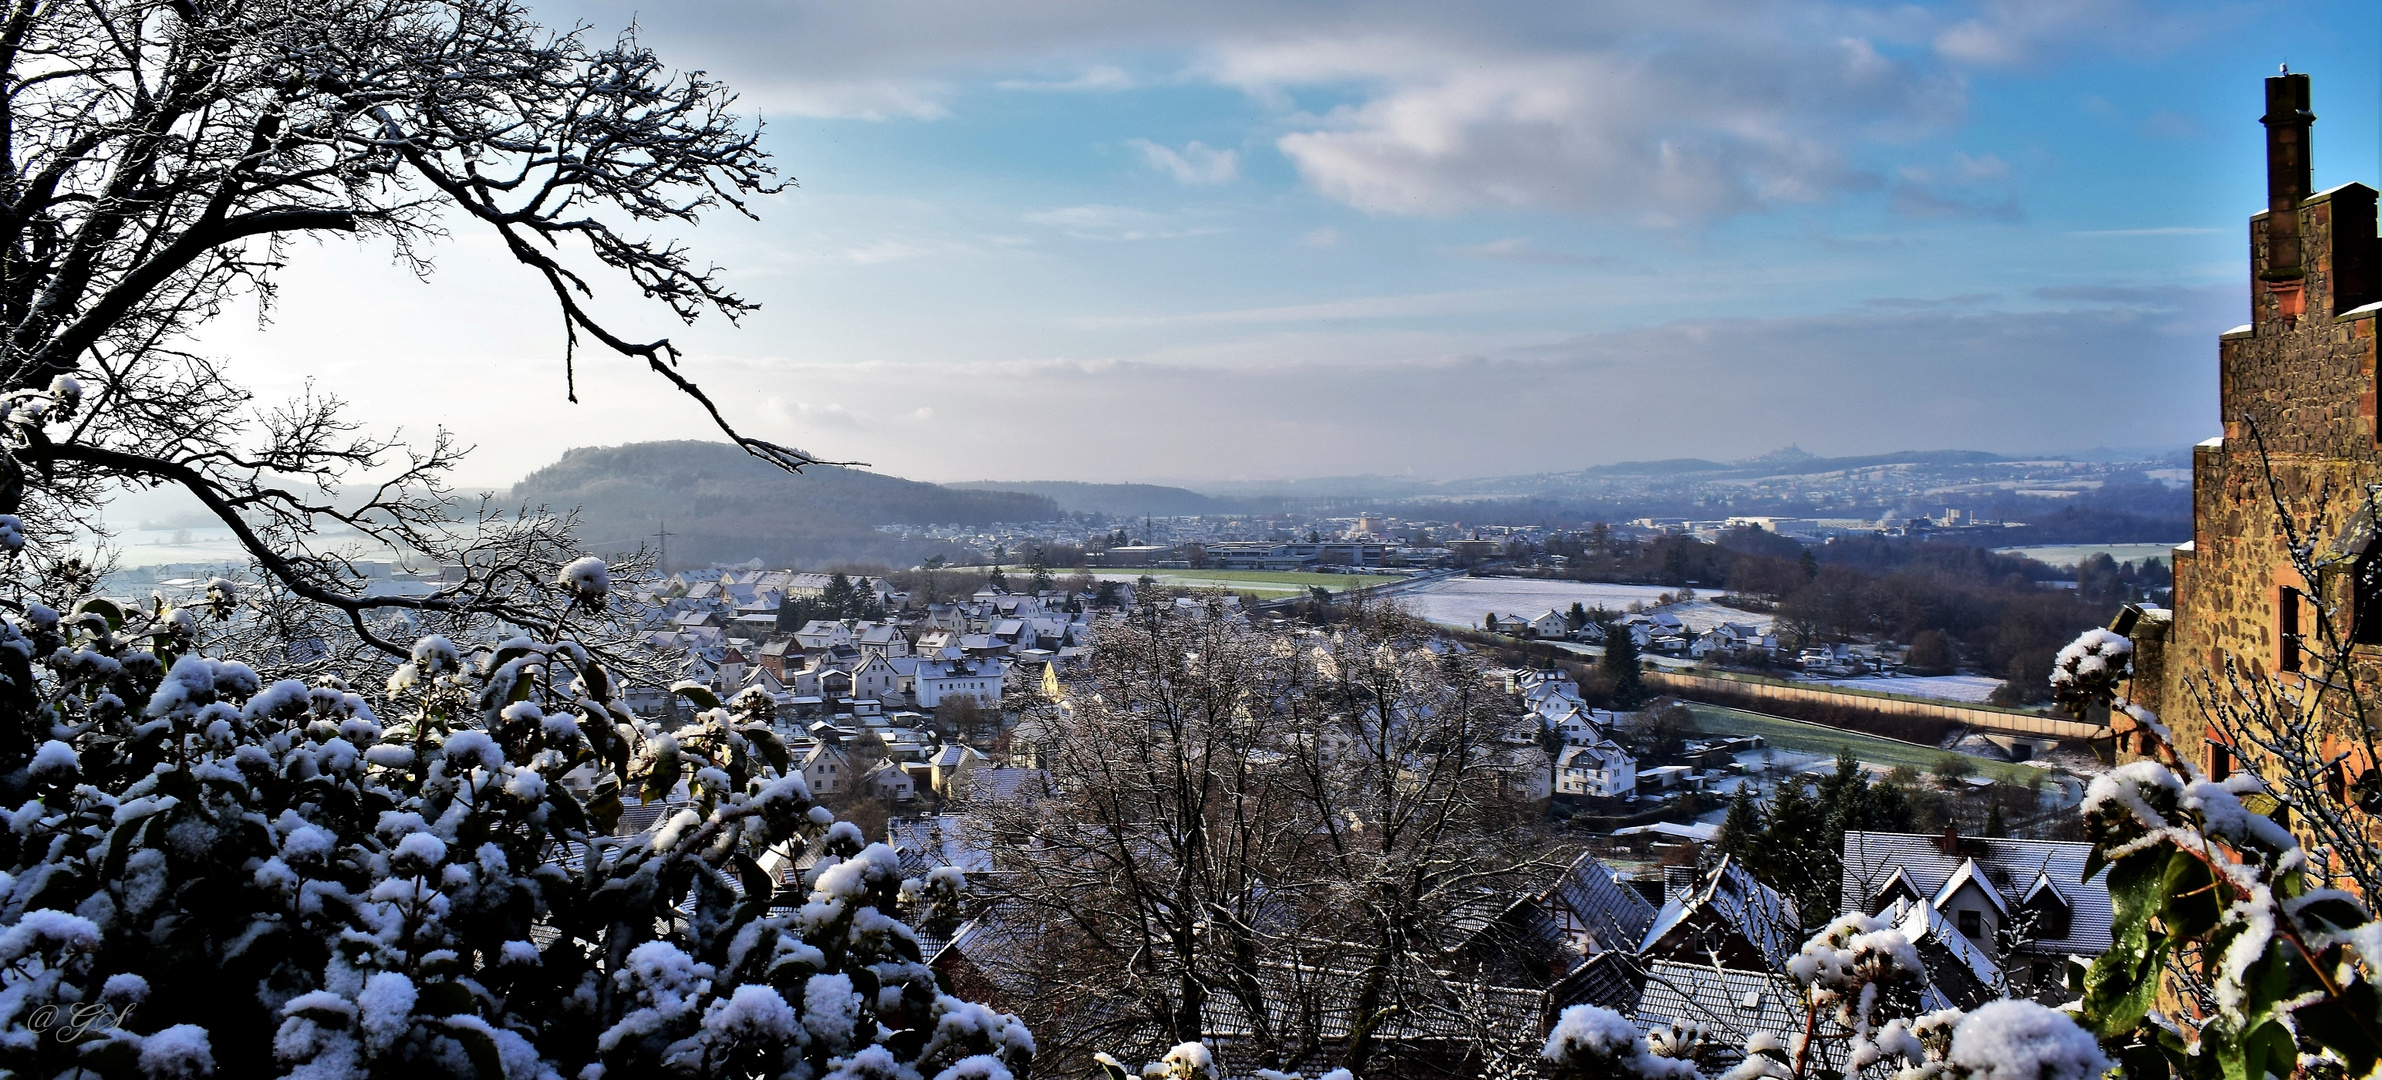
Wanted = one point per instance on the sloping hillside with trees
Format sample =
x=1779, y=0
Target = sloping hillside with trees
x=722, y=504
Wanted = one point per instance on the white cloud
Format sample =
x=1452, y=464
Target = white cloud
x=1196, y=163
x=1100, y=222
x=1738, y=124
x=1098, y=77
x=1521, y=250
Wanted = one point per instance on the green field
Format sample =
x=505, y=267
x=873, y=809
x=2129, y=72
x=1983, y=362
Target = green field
x=1261, y=582
x=1818, y=739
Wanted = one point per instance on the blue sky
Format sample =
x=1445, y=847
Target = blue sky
x=1110, y=241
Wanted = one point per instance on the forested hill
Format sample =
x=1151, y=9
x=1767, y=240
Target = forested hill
x=1116, y=500
x=724, y=506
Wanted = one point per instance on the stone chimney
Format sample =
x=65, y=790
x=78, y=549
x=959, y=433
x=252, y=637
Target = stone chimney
x=2288, y=179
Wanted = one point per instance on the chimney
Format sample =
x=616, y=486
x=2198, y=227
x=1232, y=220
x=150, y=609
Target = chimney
x=2287, y=121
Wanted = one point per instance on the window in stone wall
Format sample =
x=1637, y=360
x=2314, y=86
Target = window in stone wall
x=2365, y=577
x=2286, y=619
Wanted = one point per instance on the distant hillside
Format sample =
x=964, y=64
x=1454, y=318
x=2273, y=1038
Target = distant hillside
x=724, y=506
x=1119, y=500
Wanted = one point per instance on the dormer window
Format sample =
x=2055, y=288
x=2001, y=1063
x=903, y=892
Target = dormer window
x=2048, y=914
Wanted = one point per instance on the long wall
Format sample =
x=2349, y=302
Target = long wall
x=1993, y=720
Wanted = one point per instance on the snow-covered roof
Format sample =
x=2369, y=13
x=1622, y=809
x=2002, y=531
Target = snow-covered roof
x=1969, y=874
x=2008, y=868
x=1729, y=1005
x=1958, y=967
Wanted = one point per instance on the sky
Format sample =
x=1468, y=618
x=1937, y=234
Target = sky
x=1124, y=240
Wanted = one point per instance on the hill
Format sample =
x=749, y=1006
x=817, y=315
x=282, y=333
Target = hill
x=1116, y=500
x=724, y=506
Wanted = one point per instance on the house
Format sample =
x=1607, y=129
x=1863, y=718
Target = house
x=1545, y=935
x=819, y=635
x=889, y=782
x=827, y=768
x=780, y=657
x=1553, y=624
x=982, y=679
x=881, y=639
x=1731, y=920
x=2026, y=904
x=949, y=764
x=875, y=678
x=1600, y=770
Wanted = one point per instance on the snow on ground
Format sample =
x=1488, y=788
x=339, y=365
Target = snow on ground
x=1461, y=601
x=1702, y=615
x=1969, y=688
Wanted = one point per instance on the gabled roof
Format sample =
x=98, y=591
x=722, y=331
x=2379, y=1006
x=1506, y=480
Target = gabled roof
x=1872, y=858
x=2044, y=886
x=1968, y=874
x=1960, y=970
x=1729, y=1005
x=1615, y=913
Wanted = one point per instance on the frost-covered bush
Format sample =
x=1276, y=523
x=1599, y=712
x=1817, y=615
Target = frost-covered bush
x=204, y=873
x=1593, y=1043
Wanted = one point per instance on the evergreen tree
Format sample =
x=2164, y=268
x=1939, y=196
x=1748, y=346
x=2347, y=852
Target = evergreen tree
x=1810, y=564
x=1040, y=565
x=838, y=600
x=1577, y=617
x=1794, y=855
x=1621, y=664
x=997, y=579
x=1742, y=829
x=866, y=603
x=1994, y=825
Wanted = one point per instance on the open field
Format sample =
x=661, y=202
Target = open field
x=1461, y=601
x=1265, y=583
x=1816, y=739
x=1969, y=689
x=2071, y=554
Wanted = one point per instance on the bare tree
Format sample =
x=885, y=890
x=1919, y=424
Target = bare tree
x=159, y=157
x=1256, y=836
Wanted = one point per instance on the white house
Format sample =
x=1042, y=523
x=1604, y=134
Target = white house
x=983, y=678
x=827, y=769
x=820, y=635
x=1553, y=624
x=888, y=781
x=1602, y=770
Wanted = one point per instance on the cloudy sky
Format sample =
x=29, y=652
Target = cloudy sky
x=1046, y=239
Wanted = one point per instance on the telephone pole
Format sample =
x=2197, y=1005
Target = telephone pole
x=661, y=563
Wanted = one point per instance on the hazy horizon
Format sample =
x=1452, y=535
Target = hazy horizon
x=1147, y=243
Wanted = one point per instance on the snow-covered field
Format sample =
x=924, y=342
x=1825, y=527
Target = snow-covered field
x=1461, y=601
x=1969, y=688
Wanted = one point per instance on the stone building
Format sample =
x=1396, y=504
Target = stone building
x=2297, y=393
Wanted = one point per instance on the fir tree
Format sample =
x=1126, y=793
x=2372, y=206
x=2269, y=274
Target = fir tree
x=1621, y=664
x=1742, y=829
x=1994, y=826
x=997, y=579
x=838, y=600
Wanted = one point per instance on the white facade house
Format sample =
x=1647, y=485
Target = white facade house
x=1599, y=770
x=827, y=769
x=982, y=678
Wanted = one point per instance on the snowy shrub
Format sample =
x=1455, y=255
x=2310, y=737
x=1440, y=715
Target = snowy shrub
x=1592, y=1043
x=211, y=875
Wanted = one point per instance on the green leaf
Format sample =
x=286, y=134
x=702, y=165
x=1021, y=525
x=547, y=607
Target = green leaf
x=2191, y=908
x=699, y=694
x=444, y=999
x=485, y=1061
x=114, y=1059
x=104, y=608
x=2334, y=1023
x=2123, y=983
